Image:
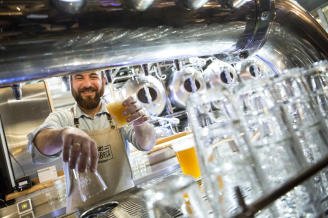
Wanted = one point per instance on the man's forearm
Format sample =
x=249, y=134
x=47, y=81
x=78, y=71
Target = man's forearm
x=73, y=142
x=48, y=141
x=145, y=136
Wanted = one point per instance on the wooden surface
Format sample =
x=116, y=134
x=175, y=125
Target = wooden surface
x=51, y=105
x=38, y=186
x=167, y=141
x=169, y=138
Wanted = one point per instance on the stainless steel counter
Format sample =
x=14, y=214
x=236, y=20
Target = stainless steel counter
x=158, y=170
x=50, y=202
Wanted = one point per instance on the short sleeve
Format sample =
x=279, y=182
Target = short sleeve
x=55, y=120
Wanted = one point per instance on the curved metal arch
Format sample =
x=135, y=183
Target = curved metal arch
x=101, y=36
x=111, y=36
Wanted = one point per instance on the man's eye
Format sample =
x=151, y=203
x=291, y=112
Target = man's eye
x=94, y=77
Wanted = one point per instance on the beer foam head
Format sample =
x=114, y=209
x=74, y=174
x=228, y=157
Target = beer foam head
x=183, y=143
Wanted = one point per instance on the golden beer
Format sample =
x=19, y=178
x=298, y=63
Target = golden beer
x=188, y=161
x=116, y=109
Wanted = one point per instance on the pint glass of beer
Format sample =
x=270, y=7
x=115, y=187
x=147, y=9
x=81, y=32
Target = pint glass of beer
x=115, y=108
x=185, y=152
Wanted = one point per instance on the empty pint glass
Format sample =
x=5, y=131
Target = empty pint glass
x=316, y=79
x=224, y=159
x=272, y=146
x=302, y=101
x=186, y=154
x=175, y=196
x=90, y=184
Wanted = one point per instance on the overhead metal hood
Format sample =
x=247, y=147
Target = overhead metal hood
x=312, y=4
x=41, y=39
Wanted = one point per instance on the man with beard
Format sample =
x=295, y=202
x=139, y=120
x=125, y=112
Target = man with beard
x=86, y=136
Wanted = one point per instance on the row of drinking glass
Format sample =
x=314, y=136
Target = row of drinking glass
x=260, y=134
x=255, y=136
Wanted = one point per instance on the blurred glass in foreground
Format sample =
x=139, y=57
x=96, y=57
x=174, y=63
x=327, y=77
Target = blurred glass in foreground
x=273, y=147
x=176, y=192
x=223, y=154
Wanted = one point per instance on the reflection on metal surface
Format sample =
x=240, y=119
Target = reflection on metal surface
x=138, y=5
x=184, y=82
x=219, y=73
x=69, y=6
x=236, y=3
x=130, y=204
x=194, y=4
x=100, y=209
x=295, y=39
x=21, y=117
x=104, y=33
x=150, y=93
x=254, y=68
x=101, y=36
x=7, y=171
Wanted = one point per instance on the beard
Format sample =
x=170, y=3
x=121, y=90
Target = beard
x=88, y=102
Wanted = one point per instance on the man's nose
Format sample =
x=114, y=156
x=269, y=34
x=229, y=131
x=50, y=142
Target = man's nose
x=87, y=83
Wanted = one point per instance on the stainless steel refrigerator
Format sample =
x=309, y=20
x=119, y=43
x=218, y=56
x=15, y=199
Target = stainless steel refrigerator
x=18, y=118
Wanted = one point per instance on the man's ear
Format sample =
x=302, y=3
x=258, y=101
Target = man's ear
x=104, y=80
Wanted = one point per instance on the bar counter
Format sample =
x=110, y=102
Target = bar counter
x=50, y=201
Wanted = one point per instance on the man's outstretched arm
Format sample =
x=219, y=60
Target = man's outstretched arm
x=75, y=144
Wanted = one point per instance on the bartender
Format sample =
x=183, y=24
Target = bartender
x=87, y=132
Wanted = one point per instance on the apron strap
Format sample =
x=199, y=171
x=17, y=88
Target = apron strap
x=77, y=123
x=109, y=118
x=76, y=120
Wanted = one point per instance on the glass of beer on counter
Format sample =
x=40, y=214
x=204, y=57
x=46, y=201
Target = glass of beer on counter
x=115, y=107
x=185, y=152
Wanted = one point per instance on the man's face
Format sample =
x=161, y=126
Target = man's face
x=87, y=89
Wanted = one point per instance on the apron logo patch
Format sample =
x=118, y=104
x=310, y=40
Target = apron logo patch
x=105, y=153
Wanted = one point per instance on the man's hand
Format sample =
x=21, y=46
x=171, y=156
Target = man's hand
x=78, y=146
x=75, y=144
x=136, y=116
x=144, y=132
